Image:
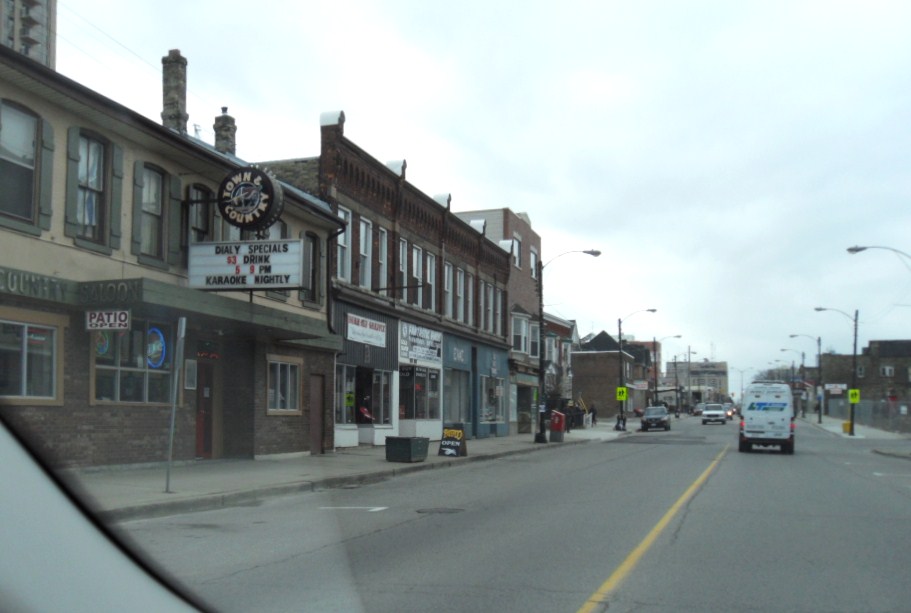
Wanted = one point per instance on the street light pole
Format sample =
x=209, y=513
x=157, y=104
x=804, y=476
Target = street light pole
x=541, y=436
x=854, y=353
x=822, y=388
x=621, y=417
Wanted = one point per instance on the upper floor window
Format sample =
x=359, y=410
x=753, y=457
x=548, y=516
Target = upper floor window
x=469, y=301
x=403, y=269
x=517, y=250
x=430, y=285
x=861, y=371
x=447, y=289
x=310, y=290
x=365, y=256
x=152, y=211
x=198, y=214
x=417, y=273
x=343, y=242
x=460, y=294
x=18, y=159
x=520, y=334
x=886, y=371
x=498, y=312
x=382, y=260
x=222, y=231
x=534, y=340
x=91, y=198
x=533, y=263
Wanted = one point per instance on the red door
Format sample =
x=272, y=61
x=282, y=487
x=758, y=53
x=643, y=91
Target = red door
x=204, y=403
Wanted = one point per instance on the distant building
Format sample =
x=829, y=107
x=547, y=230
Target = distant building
x=30, y=28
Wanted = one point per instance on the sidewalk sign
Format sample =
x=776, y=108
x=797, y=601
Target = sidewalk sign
x=453, y=442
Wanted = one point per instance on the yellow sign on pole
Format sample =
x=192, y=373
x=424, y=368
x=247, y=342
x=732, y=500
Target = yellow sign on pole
x=621, y=393
x=854, y=396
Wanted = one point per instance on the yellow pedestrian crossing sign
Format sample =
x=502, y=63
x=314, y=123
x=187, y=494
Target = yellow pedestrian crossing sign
x=621, y=393
x=854, y=396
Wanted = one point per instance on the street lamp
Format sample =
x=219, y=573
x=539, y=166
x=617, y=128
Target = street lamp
x=741, y=371
x=541, y=437
x=822, y=389
x=853, y=355
x=657, y=363
x=621, y=417
x=857, y=249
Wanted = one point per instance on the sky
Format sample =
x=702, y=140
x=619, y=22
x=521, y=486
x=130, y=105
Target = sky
x=721, y=155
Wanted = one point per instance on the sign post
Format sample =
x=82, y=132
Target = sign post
x=178, y=359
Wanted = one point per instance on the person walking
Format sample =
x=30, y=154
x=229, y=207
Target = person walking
x=594, y=415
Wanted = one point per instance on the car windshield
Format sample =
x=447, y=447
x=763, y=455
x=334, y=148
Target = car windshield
x=266, y=263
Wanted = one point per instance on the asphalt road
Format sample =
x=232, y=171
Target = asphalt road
x=657, y=521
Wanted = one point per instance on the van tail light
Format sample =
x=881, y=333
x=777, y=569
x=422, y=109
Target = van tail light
x=742, y=425
x=793, y=427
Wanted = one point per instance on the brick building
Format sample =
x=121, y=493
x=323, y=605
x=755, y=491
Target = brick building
x=99, y=211
x=418, y=295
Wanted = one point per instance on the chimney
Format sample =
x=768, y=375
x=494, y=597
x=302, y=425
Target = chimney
x=224, y=132
x=174, y=91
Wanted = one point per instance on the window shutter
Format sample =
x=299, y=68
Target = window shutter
x=136, y=237
x=116, y=196
x=70, y=227
x=175, y=212
x=46, y=162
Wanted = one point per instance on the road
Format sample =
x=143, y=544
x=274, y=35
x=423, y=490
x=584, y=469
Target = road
x=656, y=522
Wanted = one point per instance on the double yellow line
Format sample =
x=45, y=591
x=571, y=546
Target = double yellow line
x=636, y=554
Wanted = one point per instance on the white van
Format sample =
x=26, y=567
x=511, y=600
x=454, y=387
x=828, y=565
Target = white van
x=767, y=416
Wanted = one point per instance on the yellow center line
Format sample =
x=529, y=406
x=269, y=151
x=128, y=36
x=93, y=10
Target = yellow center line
x=636, y=554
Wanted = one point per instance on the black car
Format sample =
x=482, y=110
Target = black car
x=655, y=417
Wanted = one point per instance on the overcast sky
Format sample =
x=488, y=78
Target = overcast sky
x=721, y=155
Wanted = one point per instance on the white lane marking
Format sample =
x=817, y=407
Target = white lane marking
x=892, y=474
x=368, y=509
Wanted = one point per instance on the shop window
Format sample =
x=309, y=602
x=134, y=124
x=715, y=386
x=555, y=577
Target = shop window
x=457, y=396
x=133, y=366
x=344, y=394
x=284, y=385
x=419, y=393
x=28, y=358
x=493, y=406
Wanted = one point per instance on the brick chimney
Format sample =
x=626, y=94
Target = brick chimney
x=174, y=91
x=225, y=129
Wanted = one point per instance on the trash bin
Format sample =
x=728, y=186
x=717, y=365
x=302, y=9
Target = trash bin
x=406, y=448
x=846, y=427
x=557, y=426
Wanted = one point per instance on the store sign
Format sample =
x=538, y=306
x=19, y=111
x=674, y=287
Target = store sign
x=419, y=343
x=247, y=265
x=250, y=198
x=453, y=442
x=367, y=331
x=107, y=320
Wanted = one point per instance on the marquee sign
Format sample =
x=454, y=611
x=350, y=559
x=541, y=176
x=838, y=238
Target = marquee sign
x=247, y=265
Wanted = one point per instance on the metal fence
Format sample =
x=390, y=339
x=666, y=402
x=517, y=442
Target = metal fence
x=891, y=416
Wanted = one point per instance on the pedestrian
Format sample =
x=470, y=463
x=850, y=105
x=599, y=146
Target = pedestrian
x=594, y=415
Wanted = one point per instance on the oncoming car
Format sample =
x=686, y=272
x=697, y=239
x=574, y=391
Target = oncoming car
x=714, y=413
x=655, y=417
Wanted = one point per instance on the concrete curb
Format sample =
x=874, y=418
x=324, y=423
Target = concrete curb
x=254, y=496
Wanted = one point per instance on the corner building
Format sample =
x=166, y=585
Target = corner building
x=99, y=211
x=417, y=295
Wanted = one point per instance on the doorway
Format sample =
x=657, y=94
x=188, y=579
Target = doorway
x=204, y=409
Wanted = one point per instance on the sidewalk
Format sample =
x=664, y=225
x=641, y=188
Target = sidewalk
x=124, y=493
x=834, y=425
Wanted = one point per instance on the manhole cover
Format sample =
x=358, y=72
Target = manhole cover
x=440, y=510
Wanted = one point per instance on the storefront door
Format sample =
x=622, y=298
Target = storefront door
x=204, y=409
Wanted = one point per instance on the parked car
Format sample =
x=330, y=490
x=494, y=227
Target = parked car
x=714, y=413
x=638, y=411
x=655, y=417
